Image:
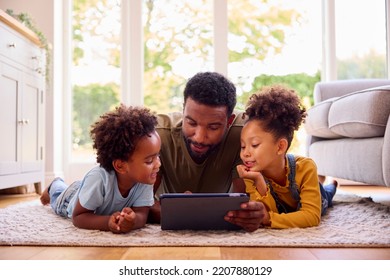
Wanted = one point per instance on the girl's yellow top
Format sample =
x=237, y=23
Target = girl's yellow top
x=306, y=178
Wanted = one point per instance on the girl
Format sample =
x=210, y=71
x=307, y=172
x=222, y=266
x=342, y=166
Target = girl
x=287, y=185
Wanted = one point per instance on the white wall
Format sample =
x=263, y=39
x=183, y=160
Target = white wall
x=40, y=10
x=47, y=16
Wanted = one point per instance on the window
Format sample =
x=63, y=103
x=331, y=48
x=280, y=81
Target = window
x=275, y=42
x=95, y=72
x=269, y=39
x=360, y=39
x=178, y=42
x=254, y=43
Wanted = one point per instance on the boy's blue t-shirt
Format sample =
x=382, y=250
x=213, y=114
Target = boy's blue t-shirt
x=99, y=192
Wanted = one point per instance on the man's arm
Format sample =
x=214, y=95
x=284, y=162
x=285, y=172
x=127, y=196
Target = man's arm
x=154, y=216
x=238, y=185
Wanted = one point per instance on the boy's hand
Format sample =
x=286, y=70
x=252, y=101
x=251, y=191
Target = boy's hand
x=122, y=222
x=113, y=223
x=126, y=220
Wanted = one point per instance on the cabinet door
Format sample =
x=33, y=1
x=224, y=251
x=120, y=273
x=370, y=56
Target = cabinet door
x=31, y=148
x=10, y=119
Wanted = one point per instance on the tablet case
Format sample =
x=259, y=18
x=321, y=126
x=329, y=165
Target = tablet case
x=199, y=211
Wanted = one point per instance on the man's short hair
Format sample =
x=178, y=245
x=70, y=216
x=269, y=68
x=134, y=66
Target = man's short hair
x=212, y=89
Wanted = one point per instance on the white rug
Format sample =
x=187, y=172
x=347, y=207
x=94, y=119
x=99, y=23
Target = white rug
x=352, y=222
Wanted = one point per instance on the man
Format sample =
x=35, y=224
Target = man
x=201, y=147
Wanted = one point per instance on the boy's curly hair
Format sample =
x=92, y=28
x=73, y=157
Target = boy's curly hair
x=116, y=134
x=212, y=89
x=279, y=109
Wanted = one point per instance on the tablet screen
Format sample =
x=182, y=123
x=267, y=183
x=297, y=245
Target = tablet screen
x=199, y=211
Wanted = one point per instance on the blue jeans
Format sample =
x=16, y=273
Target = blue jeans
x=61, y=194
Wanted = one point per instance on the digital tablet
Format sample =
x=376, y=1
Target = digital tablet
x=199, y=211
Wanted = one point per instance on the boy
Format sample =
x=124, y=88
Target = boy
x=116, y=195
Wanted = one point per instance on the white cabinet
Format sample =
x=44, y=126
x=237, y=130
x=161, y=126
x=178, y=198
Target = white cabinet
x=22, y=84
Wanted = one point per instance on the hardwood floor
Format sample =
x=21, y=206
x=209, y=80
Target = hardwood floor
x=381, y=194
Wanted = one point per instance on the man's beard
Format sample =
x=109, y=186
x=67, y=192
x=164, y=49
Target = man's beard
x=197, y=157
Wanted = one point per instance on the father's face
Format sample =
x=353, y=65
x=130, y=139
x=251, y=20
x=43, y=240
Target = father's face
x=203, y=128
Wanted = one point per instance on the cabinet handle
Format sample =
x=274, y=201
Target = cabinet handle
x=23, y=121
x=11, y=45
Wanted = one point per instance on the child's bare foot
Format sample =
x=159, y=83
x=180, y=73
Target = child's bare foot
x=45, y=197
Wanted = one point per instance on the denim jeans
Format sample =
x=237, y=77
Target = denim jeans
x=61, y=195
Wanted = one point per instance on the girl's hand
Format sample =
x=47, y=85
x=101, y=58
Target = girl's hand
x=256, y=176
x=245, y=173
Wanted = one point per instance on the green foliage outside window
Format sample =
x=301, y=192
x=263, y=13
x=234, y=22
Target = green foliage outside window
x=259, y=30
x=90, y=102
x=371, y=65
x=302, y=83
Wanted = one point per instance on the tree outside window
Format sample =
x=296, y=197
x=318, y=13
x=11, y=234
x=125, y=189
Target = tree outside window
x=269, y=41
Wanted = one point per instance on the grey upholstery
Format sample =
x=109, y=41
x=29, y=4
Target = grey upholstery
x=349, y=130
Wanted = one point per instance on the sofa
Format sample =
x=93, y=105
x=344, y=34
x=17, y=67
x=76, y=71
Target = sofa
x=348, y=130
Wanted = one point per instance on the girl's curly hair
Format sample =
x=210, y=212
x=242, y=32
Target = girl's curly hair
x=116, y=134
x=279, y=109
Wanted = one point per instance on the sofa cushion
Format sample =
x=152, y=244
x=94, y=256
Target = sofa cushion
x=316, y=123
x=361, y=114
